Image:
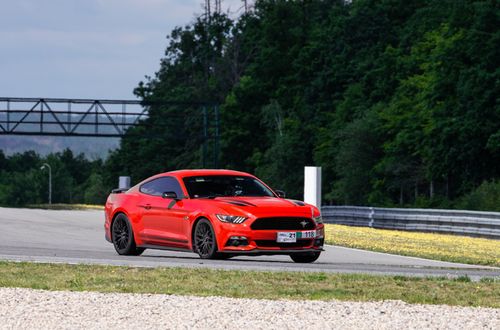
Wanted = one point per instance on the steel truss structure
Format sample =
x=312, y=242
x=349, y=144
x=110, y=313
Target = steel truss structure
x=100, y=118
x=74, y=117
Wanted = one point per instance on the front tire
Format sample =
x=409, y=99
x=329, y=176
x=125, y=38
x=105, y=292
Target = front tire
x=122, y=236
x=306, y=257
x=205, y=243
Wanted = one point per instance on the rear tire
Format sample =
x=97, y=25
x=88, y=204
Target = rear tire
x=306, y=257
x=122, y=237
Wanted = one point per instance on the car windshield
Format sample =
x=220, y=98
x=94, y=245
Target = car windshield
x=211, y=186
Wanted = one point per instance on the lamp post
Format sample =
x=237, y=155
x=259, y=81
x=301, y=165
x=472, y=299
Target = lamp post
x=50, y=180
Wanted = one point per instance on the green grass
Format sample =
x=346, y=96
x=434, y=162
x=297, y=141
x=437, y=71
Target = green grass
x=462, y=249
x=250, y=284
x=60, y=206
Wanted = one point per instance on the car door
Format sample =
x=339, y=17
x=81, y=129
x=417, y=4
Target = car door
x=164, y=219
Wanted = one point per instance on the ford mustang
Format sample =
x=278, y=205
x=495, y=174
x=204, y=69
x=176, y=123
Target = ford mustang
x=217, y=214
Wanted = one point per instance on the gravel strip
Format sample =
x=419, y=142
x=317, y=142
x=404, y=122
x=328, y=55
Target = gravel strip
x=38, y=309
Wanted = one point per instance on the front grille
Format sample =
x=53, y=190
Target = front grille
x=272, y=243
x=282, y=223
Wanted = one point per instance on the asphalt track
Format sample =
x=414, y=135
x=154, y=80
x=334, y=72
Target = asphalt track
x=78, y=237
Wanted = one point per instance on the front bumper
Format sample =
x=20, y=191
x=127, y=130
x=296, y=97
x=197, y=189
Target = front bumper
x=264, y=241
x=263, y=252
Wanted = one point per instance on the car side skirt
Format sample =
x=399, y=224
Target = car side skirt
x=161, y=247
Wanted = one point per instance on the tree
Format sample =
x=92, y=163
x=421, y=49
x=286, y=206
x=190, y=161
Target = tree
x=396, y=100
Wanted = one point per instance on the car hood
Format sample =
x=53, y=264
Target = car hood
x=264, y=206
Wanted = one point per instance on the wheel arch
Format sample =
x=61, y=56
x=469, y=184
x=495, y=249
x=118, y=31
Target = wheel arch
x=115, y=215
x=193, y=226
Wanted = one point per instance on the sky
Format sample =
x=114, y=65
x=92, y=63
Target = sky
x=87, y=48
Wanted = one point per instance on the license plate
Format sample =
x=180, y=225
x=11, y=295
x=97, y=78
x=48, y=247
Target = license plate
x=286, y=237
x=291, y=237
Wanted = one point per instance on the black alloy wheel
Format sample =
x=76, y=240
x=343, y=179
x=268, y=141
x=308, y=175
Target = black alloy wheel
x=204, y=240
x=306, y=257
x=123, y=237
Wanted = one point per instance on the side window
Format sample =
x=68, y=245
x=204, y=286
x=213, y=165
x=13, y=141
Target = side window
x=158, y=186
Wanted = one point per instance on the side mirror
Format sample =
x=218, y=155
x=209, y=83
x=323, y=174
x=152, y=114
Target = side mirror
x=169, y=194
x=281, y=193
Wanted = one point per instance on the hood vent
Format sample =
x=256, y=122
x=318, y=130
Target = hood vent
x=237, y=203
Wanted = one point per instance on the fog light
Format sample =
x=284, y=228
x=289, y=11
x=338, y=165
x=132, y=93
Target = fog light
x=319, y=241
x=237, y=241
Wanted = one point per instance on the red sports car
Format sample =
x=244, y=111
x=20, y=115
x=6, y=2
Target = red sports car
x=215, y=213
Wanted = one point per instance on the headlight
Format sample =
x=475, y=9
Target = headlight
x=230, y=218
x=318, y=219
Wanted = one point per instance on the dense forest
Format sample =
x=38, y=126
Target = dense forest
x=396, y=100
x=75, y=179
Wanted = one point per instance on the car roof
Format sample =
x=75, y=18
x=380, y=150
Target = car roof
x=200, y=172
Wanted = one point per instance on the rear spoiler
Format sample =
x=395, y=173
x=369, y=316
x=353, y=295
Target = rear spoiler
x=119, y=190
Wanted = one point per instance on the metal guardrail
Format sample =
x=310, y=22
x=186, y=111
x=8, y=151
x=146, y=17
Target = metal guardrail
x=469, y=223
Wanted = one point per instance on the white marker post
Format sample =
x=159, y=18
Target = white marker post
x=312, y=185
x=124, y=182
